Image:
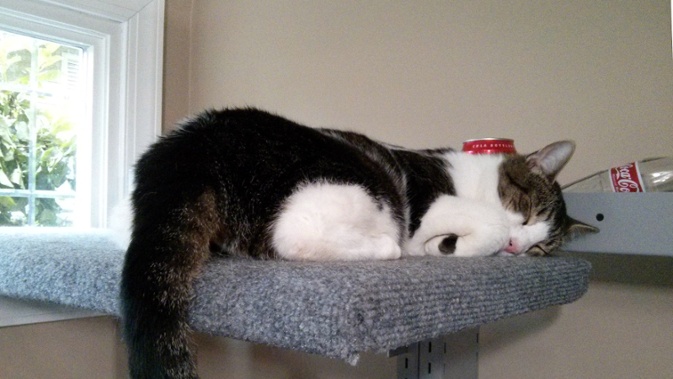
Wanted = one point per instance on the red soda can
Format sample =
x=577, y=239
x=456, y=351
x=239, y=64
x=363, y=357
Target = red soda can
x=489, y=146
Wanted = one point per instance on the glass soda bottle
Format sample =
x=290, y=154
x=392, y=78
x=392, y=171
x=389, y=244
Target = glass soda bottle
x=650, y=175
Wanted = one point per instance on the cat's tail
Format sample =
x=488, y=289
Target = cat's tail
x=169, y=244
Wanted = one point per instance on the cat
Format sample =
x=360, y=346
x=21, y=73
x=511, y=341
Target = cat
x=250, y=183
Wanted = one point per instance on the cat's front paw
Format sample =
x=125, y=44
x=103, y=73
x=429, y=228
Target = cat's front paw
x=386, y=248
x=470, y=245
x=441, y=245
x=460, y=227
x=485, y=240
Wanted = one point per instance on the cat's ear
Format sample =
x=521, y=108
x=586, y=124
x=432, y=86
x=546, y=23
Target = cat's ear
x=549, y=160
x=578, y=228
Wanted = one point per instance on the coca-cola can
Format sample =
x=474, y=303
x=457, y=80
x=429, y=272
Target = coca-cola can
x=489, y=146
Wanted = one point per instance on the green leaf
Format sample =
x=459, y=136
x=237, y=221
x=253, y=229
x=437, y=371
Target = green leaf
x=7, y=157
x=22, y=131
x=22, y=117
x=7, y=203
x=4, y=180
x=17, y=177
x=47, y=211
x=46, y=218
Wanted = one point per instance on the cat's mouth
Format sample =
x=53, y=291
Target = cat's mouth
x=504, y=253
x=535, y=250
x=516, y=248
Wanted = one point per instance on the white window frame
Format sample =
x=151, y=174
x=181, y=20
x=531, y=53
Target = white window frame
x=127, y=41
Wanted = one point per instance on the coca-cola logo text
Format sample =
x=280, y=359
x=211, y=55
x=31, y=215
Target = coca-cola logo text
x=626, y=178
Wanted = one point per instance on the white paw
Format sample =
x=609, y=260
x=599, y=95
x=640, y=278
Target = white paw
x=440, y=245
x=481, y=228
x=385, y=247
x=485, y=239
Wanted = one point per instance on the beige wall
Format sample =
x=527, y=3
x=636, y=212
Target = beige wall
x=431, y=73
x=438, y=72
x=73, y=349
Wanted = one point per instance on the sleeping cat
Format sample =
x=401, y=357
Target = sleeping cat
x=246, y=182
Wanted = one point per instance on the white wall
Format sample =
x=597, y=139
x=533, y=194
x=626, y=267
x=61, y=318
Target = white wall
x=431, y=73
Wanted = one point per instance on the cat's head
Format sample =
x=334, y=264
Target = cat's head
x=529, y=192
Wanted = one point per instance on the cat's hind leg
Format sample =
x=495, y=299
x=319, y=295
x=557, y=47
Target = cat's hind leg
x=326, y=221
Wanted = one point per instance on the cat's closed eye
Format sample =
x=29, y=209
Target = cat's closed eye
x=528, y=215
x=537, y=250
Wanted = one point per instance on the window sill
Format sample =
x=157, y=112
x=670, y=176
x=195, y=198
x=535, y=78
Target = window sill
x=15, y=312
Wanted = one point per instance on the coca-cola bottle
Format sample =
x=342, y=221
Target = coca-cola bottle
x=650, y=175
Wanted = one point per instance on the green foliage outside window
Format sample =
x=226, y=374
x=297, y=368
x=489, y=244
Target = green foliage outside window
x=32, y=135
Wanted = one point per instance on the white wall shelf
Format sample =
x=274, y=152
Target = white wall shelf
x=637, y=223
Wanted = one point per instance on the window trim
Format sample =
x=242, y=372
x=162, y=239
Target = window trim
x=128, y=34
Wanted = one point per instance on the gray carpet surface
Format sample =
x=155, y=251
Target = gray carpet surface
x=335, y=309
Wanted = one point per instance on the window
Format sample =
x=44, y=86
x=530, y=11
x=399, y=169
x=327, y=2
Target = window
x=42, y=89
x=79, y=100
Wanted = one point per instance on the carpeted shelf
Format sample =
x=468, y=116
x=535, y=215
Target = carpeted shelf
x=334, y=309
